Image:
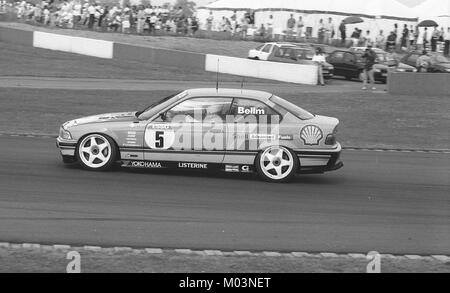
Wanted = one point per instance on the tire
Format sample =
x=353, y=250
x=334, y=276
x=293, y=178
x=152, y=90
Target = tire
x=273, y=166
x=96, y=152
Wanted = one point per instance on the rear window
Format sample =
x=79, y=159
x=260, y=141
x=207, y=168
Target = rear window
x=292, y=108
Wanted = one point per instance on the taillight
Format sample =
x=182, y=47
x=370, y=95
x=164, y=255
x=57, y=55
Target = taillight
x=331, y=138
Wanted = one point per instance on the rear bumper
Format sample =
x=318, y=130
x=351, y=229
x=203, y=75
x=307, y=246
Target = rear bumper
x=313, y=162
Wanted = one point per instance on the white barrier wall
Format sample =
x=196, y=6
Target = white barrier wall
x=287, y=72
x=78, y=45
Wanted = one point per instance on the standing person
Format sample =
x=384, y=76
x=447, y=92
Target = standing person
x=329, y=29
x=355, y=37
x=412, y=39
x=425, y=38
x=391, y=39
x=300, y=25
x=194, y=25
x=319, y=59
x=369, y=57
x=209, y=21
x=447, y=42
x=103, y=14
x=321, y=32
x=396, y=34
x=343, y=32
x=140, y=20
x=368, y=38
x=434, y=39
x=291, y=25
x=76, y=13
x=405, y=37
x=91, y=11
x=380, y=40
x=423, y=62
x=152, y=23
x=269, y=27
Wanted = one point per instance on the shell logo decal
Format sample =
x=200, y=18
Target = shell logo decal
x=311, y=135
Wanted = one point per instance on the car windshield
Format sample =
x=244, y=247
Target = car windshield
x=292, y=108
x=147, y=111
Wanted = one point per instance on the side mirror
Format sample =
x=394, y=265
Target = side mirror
x=163, y=116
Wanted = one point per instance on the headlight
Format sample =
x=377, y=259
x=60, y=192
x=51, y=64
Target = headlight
x=400, y=70
x=377, y=70
x=64, y=134
x=414, y=70
x=448, y=69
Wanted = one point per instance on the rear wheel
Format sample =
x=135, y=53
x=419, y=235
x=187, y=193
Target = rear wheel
x=277, y=164
x=96, y=152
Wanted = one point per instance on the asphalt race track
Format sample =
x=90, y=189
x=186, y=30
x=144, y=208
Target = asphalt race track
x=391, y=202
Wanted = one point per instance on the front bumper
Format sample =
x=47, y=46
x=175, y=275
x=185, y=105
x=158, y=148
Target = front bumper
x=328, y=73
x=66, y=147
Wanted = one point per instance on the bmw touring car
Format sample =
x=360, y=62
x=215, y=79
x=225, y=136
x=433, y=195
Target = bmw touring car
x=229, y=130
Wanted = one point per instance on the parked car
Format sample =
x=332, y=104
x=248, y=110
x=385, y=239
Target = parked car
x=301, y=56
x=350, y=64
x=263, y=51
x=439, y=63
x=288, y=53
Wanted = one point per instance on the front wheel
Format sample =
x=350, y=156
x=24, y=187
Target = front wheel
x=277, y=164
x=96, y=152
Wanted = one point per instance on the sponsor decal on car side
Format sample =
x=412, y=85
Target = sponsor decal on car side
x=311, y=135
x=238, y=168
x=192, y=165
x=250, y=111
x=143, y=164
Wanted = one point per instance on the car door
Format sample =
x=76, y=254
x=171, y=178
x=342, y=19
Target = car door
x=411, y=59
x=265, y=52
x=350, y=65
x=252, y=124
x=281, y=54
x=191, y=131
x=336, y=59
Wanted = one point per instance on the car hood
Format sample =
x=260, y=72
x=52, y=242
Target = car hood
x=101, y=118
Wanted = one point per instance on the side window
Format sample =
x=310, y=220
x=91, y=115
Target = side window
x=413, y=58
x=348, y=57
x=337, y=56
x=259, y=47
x=278, y=52
x=267, y=49
x=245, y=108
x=199, y=109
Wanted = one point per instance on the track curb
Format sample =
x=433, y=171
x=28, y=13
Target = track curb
x=236, y=253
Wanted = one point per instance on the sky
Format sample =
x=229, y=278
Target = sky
x=204, y=2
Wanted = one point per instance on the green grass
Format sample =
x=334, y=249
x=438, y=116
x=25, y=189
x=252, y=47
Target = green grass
x=210, y=46
x=367, y=119
x=17, y=60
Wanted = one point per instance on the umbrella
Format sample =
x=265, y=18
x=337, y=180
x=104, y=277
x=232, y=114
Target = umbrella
x=353, y=20
x=427, y=23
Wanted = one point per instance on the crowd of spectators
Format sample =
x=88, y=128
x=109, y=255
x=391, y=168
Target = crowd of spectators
x=147, y=19
x=91, y=15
